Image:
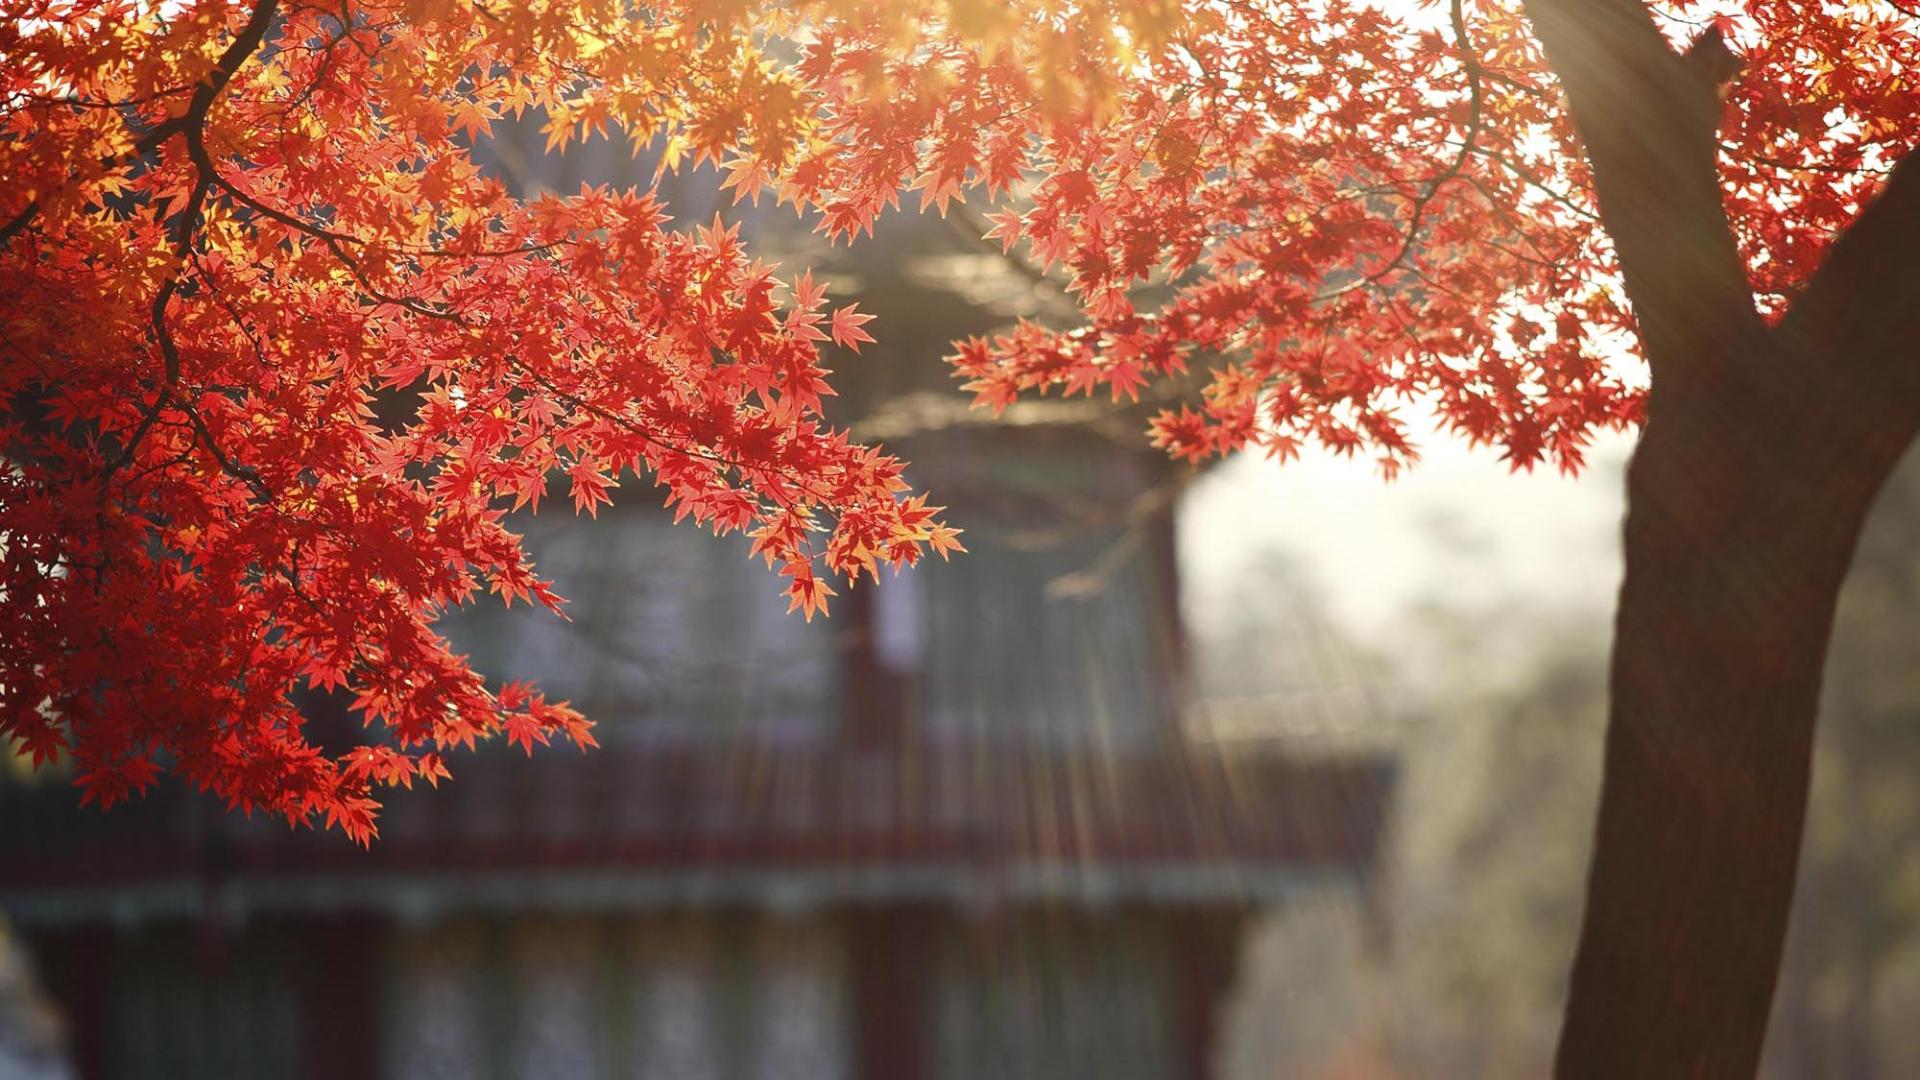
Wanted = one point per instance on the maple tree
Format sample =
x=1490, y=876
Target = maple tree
x=230, y=229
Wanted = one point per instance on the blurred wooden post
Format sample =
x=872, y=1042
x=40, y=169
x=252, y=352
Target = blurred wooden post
x=893, y=969
x=341, y=995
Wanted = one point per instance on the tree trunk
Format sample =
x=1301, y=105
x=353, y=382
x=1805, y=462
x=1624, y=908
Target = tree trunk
x=1744, y=507
x=1766, y=442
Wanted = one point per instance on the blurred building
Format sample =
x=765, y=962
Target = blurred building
x=956, y=830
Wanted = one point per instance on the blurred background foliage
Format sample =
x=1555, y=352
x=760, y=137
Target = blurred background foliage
x=1458, y=968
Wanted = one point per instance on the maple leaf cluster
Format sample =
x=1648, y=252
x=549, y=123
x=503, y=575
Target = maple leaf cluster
x=237, y=235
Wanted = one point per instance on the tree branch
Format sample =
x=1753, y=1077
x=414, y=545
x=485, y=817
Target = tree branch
x=1469, y=141
x=237, y=51
x=192, y=124
x=1647, y=117
x=1849, y=312
x=243, y=473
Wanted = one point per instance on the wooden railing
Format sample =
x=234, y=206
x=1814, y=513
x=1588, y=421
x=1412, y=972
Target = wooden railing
x=685, y=809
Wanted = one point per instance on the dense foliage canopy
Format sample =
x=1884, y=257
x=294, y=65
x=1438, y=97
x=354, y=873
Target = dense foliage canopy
x=233, y=233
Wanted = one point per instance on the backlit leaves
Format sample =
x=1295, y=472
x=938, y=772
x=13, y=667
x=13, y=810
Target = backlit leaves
x=279, y=356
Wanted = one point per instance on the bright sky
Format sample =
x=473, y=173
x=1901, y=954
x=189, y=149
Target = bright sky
x=1459, y=529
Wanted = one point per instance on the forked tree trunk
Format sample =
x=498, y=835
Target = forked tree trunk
x=1764, y=448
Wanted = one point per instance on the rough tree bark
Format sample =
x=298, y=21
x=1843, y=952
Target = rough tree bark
x=1765, y=447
